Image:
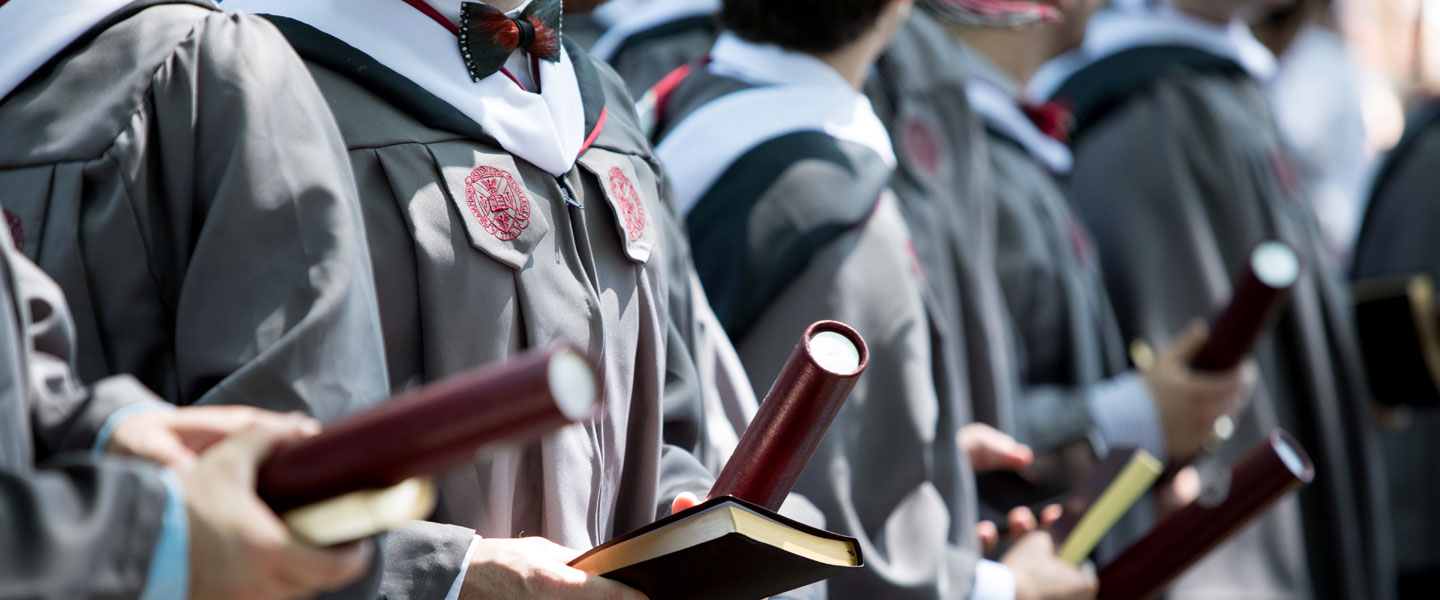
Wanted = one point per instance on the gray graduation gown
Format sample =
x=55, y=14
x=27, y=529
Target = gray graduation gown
x=810, y=241
x=1065, y=330
x=1398, y=237
x=990, y=229
x=943, y=183
x=1178, y=182
x=180, y=176
x=1067, y=343
x=580, y=258
x=85, y=526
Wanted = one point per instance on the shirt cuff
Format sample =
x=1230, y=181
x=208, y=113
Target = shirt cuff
x=103, y=438
x=993, y=581
x=454, y=593
x=1125, y=415
x=169, y=575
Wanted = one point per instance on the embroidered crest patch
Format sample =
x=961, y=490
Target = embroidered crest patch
x=634, y=210
x=498, y=202
x=921, y=144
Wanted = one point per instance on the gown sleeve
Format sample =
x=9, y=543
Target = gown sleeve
x=277, y=307
x=86, y=526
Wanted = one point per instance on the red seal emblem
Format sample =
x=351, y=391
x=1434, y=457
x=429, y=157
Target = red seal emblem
x=17, y=233
x=634, y=210
x=922, y=145
x=498, y=202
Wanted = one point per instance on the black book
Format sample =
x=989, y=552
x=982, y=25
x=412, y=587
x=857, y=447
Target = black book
x=1399, y=330
x=724, y=549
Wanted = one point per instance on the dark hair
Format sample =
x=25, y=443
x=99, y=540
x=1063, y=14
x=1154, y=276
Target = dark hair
x=802, y=25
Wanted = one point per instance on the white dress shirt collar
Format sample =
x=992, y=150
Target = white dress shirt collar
x=547, y=129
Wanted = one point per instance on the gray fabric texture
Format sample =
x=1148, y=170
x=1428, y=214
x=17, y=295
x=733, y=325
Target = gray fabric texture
x=85, y=527
x=181, y=178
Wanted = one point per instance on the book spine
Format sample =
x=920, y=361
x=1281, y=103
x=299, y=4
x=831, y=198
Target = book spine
x=427, y=430
x=1255, y=300
x=804, y=399
x=1269, y=471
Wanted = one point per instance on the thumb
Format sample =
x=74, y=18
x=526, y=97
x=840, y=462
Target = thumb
x=1042, y=540
x=1185, y=345
x=168, y=451
x=200, y=427
x=685, y=501
x=244, y=451
x=990, y=449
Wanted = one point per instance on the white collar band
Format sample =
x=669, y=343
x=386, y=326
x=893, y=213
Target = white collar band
x=33, y=31
x=996, y=97
x=1113, y=31
x=546, y=129
x=1001, y=111
x=625, y=18
x=796, y=92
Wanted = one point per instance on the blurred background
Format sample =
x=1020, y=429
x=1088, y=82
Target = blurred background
x=1351, y=72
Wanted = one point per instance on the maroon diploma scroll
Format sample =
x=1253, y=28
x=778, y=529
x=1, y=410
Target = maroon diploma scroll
x=434, y=427
x=1261, y=290
x=1272, y=469
x=803, y=401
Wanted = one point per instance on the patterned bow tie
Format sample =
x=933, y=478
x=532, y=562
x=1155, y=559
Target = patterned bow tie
x=1053, y=119
x=488, y=37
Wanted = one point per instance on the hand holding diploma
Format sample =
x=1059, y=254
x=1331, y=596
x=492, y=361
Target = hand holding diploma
x=534, y=567
x=176, y=438
x=238, y=547
x=1188, y=401
x=1040, y=575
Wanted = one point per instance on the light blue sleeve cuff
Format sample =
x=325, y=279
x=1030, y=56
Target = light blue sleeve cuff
x=169, y=575
x=103, y=438
x=454, y=593
x=993, y=581
x=1125, y=415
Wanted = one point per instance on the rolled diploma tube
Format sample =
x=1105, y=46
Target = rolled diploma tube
x=433, y=428
x=1275, y=467
x=805, y=398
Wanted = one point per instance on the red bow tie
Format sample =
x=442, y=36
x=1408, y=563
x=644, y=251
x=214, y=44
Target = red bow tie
x=1051, y=118
x=488, y=36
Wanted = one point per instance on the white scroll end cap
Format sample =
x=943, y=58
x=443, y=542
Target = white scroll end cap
x=1275, y=264
x=835, y=353
x=1291, y=459
x=573, y=384
x=1224, y=428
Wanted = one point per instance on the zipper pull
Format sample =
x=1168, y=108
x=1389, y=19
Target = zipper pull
x=569, y=199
